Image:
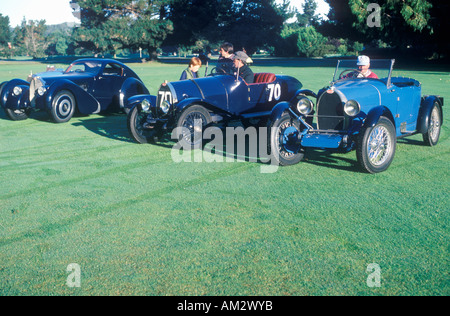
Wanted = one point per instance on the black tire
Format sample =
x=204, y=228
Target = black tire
x=284, y=145
x=190, y=136
x=135, y=121
x=376, y=146
x=431, y=137
x=63, y=107
x=17, y=115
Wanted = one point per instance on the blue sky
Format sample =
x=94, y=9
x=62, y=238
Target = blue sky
x=59, y=11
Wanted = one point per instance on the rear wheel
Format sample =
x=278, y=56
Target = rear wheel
x=376, y=146
x=284, y=143
x=431, y=137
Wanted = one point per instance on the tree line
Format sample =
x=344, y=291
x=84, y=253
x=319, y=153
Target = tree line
x=117, y=26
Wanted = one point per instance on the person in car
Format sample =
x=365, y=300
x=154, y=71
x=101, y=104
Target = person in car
x=225, y=63
x=192, y=71
x=240, y=63
x=364, y=68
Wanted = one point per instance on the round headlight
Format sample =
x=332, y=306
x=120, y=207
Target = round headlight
x=165, y=106
x=145, y=105
x=352, y=108
x=17, y=91
x=305, y=106
x=41, y=91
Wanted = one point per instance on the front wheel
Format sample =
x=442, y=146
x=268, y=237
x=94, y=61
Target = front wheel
x=17, y=115
x=63, y=107
x=431, y=137
x=136, y=121
x=192, y=122
x=376, y=146
x=284, y=142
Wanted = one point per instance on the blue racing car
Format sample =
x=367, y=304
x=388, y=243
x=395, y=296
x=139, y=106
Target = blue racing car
x=356, y=112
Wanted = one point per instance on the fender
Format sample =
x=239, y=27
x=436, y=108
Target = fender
x=374, y=116
x=426, y=107
x=138, y=99
x=278, y=110
x=8, y=100
x=86, y=103
x=184, y=104
x=131, y=87
x=306, y=92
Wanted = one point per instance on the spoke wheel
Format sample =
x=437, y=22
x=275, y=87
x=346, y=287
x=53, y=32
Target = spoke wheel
x=135, y=121
x=192, y=123
x=431, y=137
x=376, y=146
x=284, y=144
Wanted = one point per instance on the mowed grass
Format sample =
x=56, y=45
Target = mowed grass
x=139, y=224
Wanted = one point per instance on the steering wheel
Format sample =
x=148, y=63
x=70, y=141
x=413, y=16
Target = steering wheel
x=355, y=73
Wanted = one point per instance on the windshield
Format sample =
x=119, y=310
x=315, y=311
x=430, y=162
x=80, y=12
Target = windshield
x=84, y=67
x=348, y=69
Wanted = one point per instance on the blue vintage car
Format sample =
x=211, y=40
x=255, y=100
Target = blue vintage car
x=88, y=86
x=218, y=98
x=364, y=114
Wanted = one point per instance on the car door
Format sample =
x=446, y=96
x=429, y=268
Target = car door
x=107, y=85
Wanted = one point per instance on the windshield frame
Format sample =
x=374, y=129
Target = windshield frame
x=92, y=66
x=385, y=65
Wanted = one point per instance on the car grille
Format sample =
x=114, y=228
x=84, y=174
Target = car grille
x=330, y=112
x=35, y=84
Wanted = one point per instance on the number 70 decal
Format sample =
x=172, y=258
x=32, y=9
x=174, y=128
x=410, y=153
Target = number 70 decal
x=274, y=91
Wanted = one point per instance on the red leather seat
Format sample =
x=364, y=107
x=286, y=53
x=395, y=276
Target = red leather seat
x=264, y=78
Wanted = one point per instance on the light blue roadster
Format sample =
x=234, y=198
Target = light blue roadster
x=354, y=113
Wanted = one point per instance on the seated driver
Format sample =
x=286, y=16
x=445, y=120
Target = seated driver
x=240, y=60
x=364, y=68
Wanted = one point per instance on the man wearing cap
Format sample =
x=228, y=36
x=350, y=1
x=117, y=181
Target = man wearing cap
x=240, y=63
x=363, y=66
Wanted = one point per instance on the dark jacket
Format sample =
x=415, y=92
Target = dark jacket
x=247, y=74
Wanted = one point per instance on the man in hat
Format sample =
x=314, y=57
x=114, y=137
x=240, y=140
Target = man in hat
x=240, y=60
x=364, y=68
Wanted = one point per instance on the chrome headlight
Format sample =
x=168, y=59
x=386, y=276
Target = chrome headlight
x=145, y=105
x=352, y=108
x=41, y=91
x=305, y=106
x=165, y=106
x=17, y=91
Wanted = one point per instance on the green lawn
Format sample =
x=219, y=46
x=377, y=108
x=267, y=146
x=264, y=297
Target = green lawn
x=139, y=224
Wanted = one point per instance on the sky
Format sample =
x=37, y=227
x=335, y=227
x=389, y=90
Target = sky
x=59, y=11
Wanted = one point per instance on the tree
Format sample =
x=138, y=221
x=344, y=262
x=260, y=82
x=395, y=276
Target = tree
x=404, y=23
x=30, y=38
x=5, y=35
x=309, y=16
x=109, y=25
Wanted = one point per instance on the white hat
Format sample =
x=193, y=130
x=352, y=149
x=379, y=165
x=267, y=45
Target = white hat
x=363, y=61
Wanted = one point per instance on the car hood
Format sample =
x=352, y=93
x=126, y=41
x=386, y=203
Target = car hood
x=52, y=76
x=365, y=91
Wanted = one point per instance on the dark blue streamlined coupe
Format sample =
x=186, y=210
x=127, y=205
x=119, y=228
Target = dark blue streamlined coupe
x=364, y=114
x=216, y=99
x=88, y=86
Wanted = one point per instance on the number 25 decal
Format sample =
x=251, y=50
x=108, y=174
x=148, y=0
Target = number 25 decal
x=274, y=91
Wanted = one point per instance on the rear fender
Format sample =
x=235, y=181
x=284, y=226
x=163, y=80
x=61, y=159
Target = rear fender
x=130, y=88
x=426, y=107
x=86, y=103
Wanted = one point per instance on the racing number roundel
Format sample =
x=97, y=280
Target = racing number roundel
x=274, y=91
